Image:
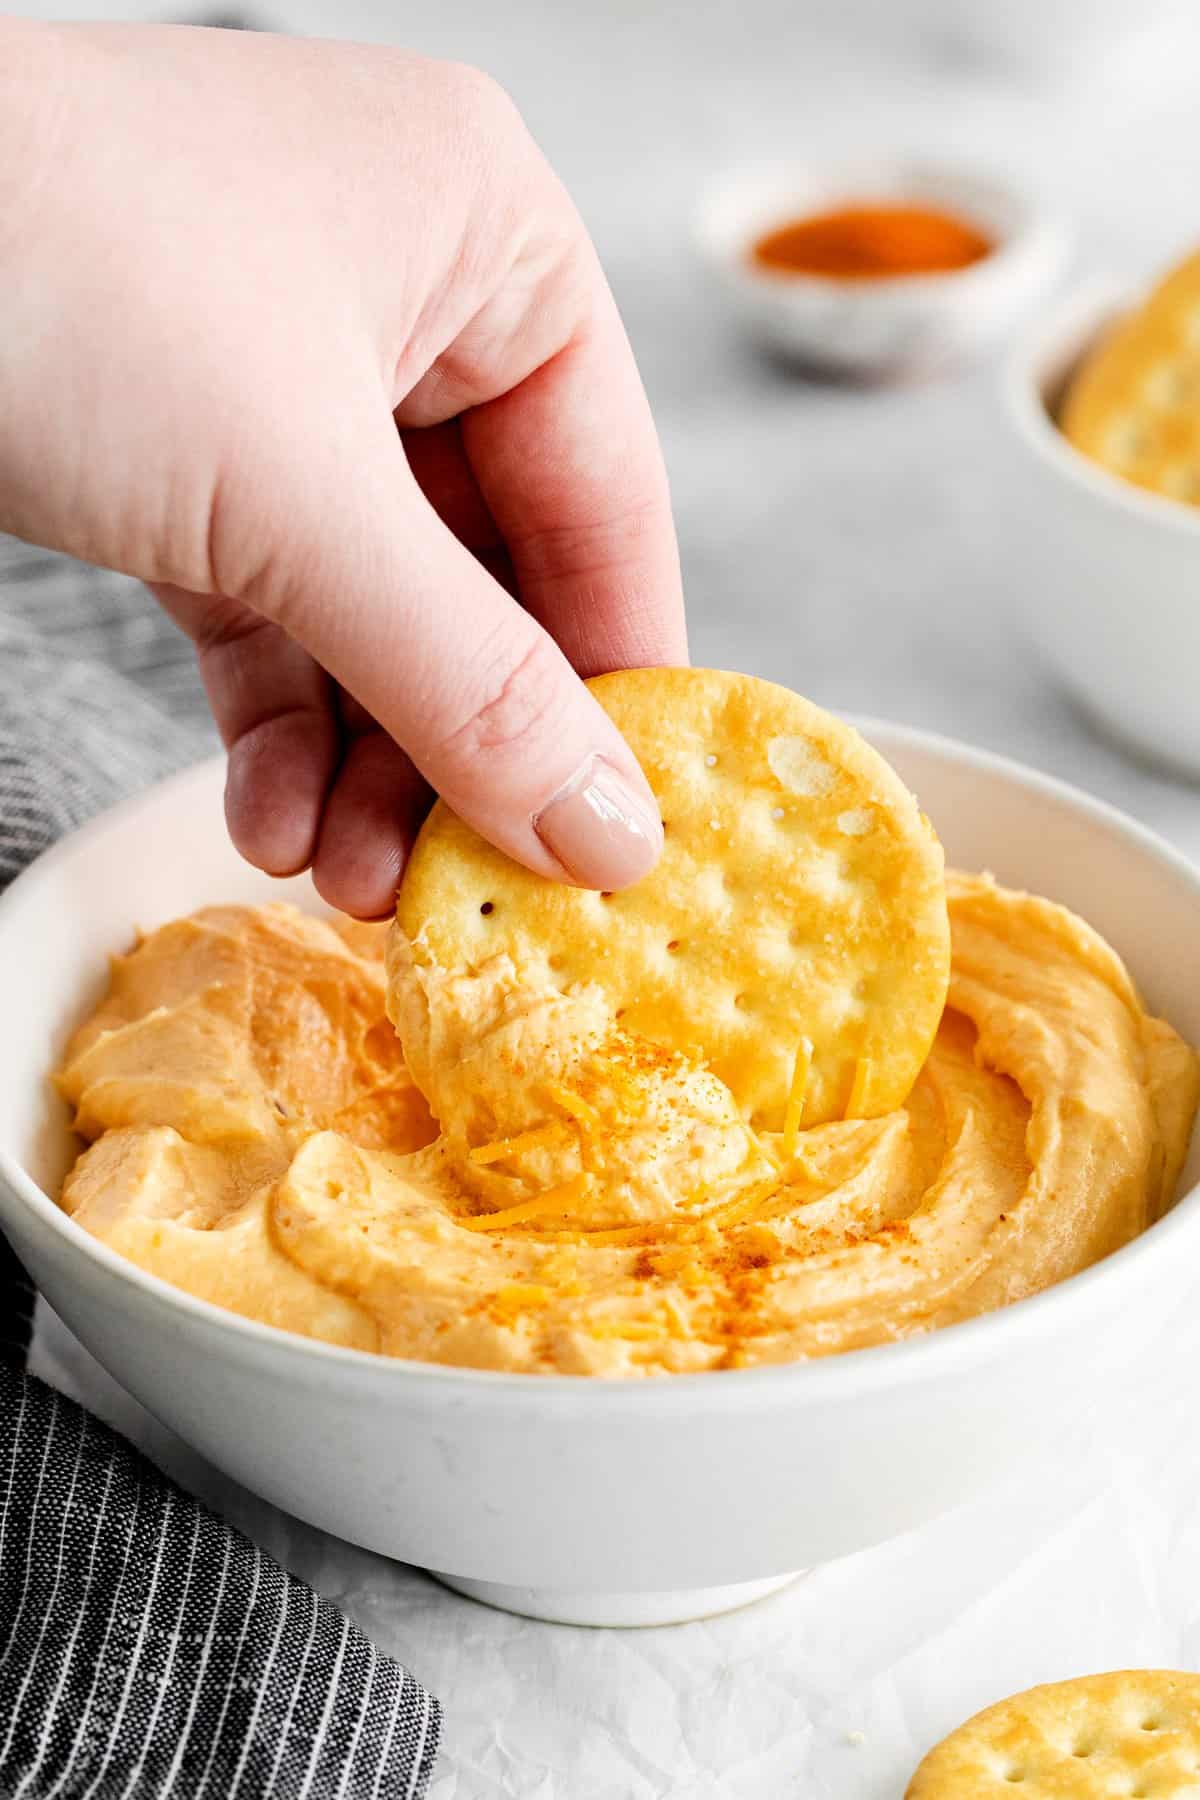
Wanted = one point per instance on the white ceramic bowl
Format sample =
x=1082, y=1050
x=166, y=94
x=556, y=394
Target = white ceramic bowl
x=1115, y=601
x=600, y=1501
x=896, y=326
x=1072, y=43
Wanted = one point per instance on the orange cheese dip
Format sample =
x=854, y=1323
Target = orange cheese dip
x=588, y=1202
x=871, y=243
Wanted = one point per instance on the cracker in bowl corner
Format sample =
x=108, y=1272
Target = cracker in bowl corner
x=1133, y=405
x=796, y=1092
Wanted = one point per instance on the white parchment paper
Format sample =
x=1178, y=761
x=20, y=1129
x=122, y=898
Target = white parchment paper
x=830, y=1690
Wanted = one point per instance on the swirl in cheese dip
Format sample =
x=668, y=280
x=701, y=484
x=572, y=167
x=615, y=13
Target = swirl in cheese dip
x=594, y=1204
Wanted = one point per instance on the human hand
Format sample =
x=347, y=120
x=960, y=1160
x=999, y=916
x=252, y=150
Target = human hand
x=309, y=338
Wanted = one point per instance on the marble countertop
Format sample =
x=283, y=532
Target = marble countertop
x=865, y=546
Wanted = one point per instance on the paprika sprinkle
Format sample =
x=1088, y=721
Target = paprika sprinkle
x=871, y=243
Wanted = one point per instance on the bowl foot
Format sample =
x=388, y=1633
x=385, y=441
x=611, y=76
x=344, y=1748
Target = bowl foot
x=585, y=1606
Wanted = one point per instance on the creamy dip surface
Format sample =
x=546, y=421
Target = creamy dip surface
x=506, y=1179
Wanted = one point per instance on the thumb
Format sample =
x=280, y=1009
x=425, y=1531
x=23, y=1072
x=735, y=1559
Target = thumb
x=477, y=693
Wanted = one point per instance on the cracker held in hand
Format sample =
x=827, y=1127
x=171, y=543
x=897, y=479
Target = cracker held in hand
x=1134, y=1732
x=1134, y=405
x=794, y=935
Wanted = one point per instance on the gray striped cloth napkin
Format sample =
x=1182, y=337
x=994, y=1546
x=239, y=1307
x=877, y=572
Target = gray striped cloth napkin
x=147, y=1650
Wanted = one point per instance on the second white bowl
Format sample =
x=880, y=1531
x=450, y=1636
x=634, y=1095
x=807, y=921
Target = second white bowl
x=1111, y=575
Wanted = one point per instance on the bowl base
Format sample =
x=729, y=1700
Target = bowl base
x=585, y=1606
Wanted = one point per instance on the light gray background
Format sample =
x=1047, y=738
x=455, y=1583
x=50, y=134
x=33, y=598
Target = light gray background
x=865, y=546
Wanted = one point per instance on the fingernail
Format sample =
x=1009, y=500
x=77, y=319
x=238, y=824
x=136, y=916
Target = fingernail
x=602, y=831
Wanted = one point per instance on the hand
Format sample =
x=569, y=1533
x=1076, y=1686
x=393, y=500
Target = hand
x=309, y=338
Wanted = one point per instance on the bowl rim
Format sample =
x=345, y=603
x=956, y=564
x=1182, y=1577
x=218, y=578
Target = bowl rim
x=1031, y=232
x=820, y=1380
x=1043, y=356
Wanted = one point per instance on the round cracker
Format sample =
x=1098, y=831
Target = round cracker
x=1133, y=405
x=1132, y=1732
x=800, y=900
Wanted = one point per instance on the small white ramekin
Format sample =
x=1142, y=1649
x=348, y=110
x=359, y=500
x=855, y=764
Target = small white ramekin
x=1110, y=577
x=897, y=326
x=600, y=1501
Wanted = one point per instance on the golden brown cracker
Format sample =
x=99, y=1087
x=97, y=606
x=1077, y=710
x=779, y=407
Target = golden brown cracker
x=1133, y=405
x=1135, y=1732
x=796, y=925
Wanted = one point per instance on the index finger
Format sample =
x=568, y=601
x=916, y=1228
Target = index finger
x=570, y=467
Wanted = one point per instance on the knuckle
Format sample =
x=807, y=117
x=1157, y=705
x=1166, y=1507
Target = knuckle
x=612, y=541
x=479, y=97
x=508, y=172
x=226, y=625
x=520, y=701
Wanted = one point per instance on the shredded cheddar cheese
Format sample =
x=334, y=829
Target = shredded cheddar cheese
x=612, y=1236
x=517, y=1297
x=747, y=1204
x=555, y=1199
x=675, y=1317
x=541, y=1135
x=635, y=1330
x=574, y=1106
x=801, y=1069
x=746, y=1208
x=858, y=1088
